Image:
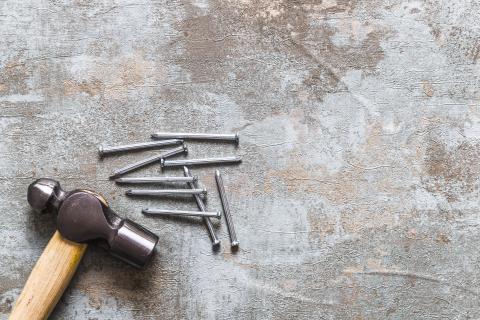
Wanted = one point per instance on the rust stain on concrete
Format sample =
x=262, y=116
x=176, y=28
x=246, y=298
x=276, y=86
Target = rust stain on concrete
x=443, y=238
x=92, y=88
x=14, y=76
x=427, y=88
x=452, y=172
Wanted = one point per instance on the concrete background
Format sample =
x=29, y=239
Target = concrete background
x=358, y=197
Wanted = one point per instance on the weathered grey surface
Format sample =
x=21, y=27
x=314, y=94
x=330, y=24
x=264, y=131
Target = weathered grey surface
x=360, y=130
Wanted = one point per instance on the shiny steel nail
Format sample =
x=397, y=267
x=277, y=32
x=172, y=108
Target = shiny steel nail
x=137, y=146
x=194, y=162
x=162, y=212
x=166, y=192
x=197, y=136
x=226, y=209
x=147, y=161
x=153, y=180
x=201, y=206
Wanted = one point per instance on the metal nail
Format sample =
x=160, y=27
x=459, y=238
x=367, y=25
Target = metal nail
x=147, y=161
x=155, y=179
x=226, y=209
x=166, y=192
x=197, y=136
x=205, y=161
x=137, y=146
x=162, y=212
x=201, y=206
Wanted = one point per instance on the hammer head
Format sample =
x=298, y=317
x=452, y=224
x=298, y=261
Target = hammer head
x=84, y=216
x=45, y=194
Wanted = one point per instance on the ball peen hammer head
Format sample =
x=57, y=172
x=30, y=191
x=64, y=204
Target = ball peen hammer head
x=45, y=194
x=85, y=217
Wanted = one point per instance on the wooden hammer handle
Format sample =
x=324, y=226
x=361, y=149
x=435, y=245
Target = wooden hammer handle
x=49, y=278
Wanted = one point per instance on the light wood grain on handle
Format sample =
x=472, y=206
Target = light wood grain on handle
x=49, y=278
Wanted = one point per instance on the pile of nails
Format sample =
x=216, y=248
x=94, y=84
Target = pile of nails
x=162, y=140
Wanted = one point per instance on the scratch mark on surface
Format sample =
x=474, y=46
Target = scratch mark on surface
x=273, y=144
x=369, y=168
x=407, y=274
x=285, y=293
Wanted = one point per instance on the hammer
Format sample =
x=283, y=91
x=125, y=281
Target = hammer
x=83, y=217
